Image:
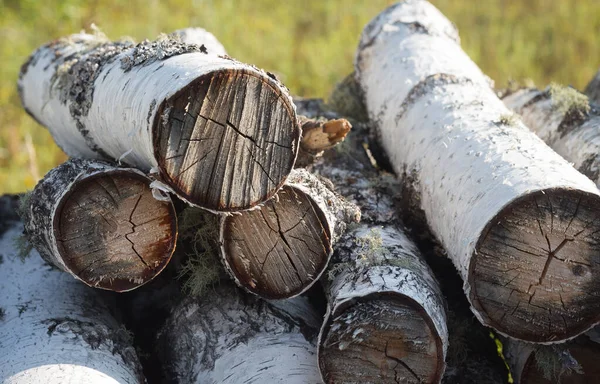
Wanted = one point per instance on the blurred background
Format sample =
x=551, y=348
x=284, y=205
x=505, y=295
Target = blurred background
x=310, y=44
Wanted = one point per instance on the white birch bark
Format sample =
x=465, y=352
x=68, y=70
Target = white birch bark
x=489, y=190
x=110, y=227
x=572, y=131
x=378, y=285
x=159, y=106
x=231, y=337
x=282, y=248
x=592, y=90
x=200, y=36
x=54, y=330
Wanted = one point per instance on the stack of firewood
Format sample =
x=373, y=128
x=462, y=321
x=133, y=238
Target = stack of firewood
x=164, y=130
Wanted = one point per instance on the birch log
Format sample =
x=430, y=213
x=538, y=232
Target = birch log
x=566, y=121
x=282, y=248
x=386, y=319
x=593, y=89
x=230, y=337
x=54, y=330
x=516, y=219
x=575, y=362
x=101, y=224
x=221, y=134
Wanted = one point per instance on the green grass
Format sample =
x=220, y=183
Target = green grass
x=309, y=43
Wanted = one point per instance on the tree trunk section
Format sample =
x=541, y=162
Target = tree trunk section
x=282, y=248
x=515, y=218
x=593, y=89
x=575, y=362
x=221, y=134
x=101, y=224
x=55, y=330
x=230, y=337
x=570, y=128
x=386, y=318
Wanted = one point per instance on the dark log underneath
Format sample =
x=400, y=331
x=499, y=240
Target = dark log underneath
x=279, y=250
x=112, y=233
x=368, y=343
x=536, y=269
x=227, y=141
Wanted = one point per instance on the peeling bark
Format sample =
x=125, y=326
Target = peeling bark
x=232, y=337
x=282, y=248
x=593, y=89
x=515, y=218
x=221, y=134
x=386, y=319
x=55, y=330
x=572, y=130
x=101, y=224
x=574, y=362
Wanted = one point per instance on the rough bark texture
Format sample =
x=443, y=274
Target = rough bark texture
x=280, y=249
x=232, y=337
x=593, y=89
x=200, y=36
x=575, y=362
x=221, y=134
x=55, y=330
x=565, y=120
x=516, y=219
x=319, y=135
x=386, y=319
x=101, y=224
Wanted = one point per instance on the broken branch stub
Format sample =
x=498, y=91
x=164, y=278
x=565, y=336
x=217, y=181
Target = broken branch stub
x=101, y=224
x=515, y=218
x=221, y=134
x=282, y=248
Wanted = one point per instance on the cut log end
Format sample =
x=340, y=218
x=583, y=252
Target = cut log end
x=279, y=250
x=367, y=343
x=227, y=141
x=128, y=236
x=536, y=268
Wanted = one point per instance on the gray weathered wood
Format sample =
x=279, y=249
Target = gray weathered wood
x=515, y=218
x=221, y=134
x=102, y=224
x=53, y=329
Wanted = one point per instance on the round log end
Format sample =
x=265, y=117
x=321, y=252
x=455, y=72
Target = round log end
x=112, y=233
x=279, y=250
x=535, y=272
x=381, y=339
x=227, y=141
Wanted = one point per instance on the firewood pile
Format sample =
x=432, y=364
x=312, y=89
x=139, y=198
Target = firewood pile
x=418, y=227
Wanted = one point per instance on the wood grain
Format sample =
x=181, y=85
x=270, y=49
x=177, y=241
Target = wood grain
x=112, y=233
x=536, y=268
x=279, y=249
x=228, y=140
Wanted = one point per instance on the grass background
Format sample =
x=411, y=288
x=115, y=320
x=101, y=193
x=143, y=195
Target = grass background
x=309, y=43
